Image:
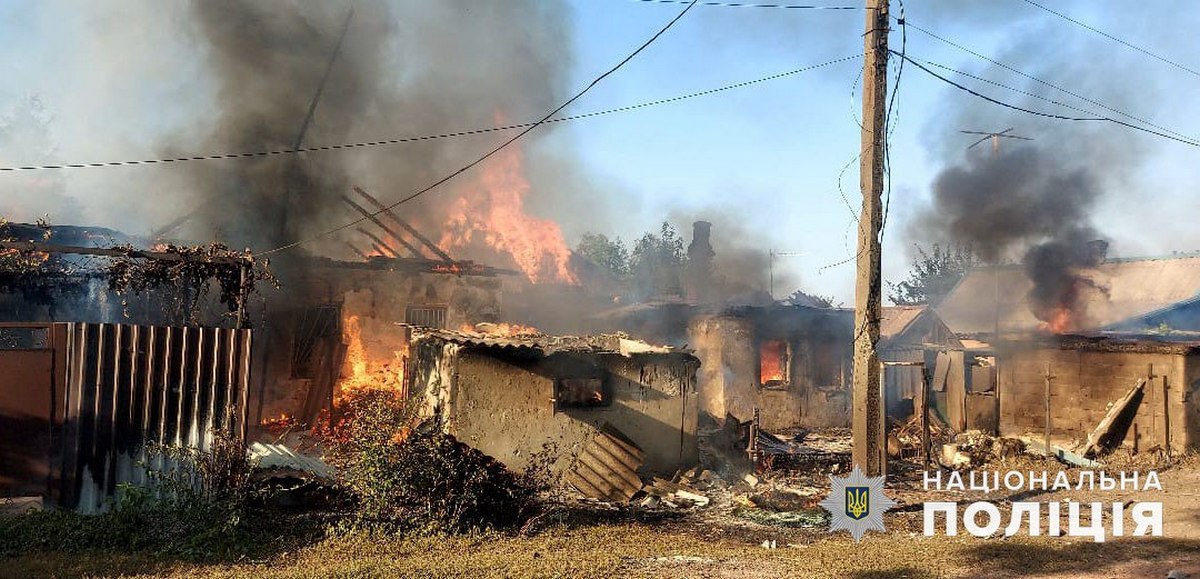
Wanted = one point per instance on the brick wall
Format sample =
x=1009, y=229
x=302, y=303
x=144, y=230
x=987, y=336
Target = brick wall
x=1085, y=382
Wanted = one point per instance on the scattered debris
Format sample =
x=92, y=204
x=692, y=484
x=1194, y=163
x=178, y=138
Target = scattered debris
x=954, y=458
x=276, y=460
x=908, y=435
x=1038, y=447
x=677, y=494
x=811, y=450
x=722, y=446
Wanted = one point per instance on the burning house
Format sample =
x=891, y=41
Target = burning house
x=1064, y=356
x=510, y=396
x=790, y=363
x=342, y=336
x=1124, y=294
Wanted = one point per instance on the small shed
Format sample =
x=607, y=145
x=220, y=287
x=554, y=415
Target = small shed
x=911, y=335
x=1074, y=378
x=511, y=396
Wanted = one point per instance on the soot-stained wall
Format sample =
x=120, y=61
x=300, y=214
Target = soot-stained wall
x=502, y=402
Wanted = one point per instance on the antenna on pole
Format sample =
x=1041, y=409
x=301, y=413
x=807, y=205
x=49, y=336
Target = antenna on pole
x=773, y=255
x=995, y=137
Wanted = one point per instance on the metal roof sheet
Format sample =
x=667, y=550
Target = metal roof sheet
x=543, y=344
x=895, y=319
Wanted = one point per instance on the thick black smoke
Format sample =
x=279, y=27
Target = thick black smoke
x=1022, y=202
x=405, y=68
x=998, y=203
x=1035, y=202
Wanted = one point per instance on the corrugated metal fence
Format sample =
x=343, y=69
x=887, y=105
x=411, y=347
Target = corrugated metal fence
x=119, y=387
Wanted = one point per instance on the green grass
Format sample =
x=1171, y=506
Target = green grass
x=605, y=550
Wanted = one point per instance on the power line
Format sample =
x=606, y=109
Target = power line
x=1034, y=78
x=402, y=140
x=888, y=128
x=501, y=146
x=1114, y=38
x=1042, y=113
x=752, y=5
x=905, y=23
x=1052, y=101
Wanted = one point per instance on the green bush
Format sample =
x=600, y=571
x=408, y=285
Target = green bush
x=195, y=510
x=419, y=479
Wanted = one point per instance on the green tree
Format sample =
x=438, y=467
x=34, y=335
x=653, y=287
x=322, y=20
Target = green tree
x=607, y=254
x=934, y=273
x=657, y=263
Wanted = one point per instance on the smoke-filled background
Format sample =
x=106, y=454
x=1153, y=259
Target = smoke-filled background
x=399, y=71
x=139, y=80
x=1050, y=204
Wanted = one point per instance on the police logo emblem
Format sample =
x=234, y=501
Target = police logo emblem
x=857, y=503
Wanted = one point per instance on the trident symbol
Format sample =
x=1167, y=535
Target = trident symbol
x=857, y=502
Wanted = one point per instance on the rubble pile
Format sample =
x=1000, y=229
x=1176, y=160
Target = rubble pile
x=681, y=491
x=974, y=448
x=904, y=441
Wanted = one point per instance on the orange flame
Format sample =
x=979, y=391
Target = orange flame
x=25, y=258
x=772, y=361
x=357, y=372
x=1060, y=321
x=493, y=211
x=279, y=423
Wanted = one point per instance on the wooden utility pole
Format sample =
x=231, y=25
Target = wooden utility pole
x=867, y=431
x=1049, y=377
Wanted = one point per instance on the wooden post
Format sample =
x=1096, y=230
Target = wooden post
x=867, y=424
x=924, y=416
x=243, y=274
x=1150, y=376
x=1166, y=416
x=1049, y=377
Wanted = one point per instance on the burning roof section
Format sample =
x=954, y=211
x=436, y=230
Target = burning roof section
x=543, y=345
x=1115, y=290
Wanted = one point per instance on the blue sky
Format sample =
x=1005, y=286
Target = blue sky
x=762, y=160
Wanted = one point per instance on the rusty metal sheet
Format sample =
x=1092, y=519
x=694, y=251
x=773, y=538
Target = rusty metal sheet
x=25, y=411
x=606, y=468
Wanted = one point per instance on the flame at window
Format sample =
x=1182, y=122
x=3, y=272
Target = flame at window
x=773, y=362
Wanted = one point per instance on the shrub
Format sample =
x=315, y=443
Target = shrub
x=417, y=478
x=195, y=510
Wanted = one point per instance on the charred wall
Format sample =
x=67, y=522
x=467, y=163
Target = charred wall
x=816, y=392
x=358, y=338
x=503, y=403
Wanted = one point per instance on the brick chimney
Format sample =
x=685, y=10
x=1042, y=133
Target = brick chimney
x=698, y=278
